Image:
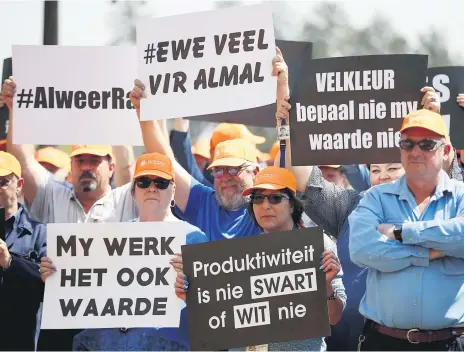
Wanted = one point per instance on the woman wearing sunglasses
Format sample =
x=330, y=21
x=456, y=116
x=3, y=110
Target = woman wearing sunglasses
x=274, y=207
x=153, y=190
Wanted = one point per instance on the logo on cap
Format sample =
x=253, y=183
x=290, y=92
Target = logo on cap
x=157, y=162
x=266, y=175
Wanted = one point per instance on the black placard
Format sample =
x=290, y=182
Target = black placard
x=338, y=108
x=7, y=71
x=448, y=82
x=215, y=324
x=295, y=53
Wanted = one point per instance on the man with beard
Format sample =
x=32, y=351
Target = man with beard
x=220, y=213
x=22, y=248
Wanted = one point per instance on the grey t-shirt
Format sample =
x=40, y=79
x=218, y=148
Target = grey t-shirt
x=56, y=202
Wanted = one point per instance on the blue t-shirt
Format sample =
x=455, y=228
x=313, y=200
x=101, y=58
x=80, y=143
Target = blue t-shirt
x=140, y=339
x=203, y=211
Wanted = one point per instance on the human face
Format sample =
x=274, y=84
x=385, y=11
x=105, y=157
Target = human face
x=152, y=200
x=385, y=173
x=10, y=188
x=273, y=217
x=229, y=188
x=91, y=172
x=420, y=164
x=333, y=175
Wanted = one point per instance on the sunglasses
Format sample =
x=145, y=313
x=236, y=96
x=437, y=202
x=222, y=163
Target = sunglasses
x=272, y=198
x=426, y=145
x=160, y=183
x=218, y=172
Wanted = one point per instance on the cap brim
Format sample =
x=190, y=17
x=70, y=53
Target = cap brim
x=5, y=172
x=158, y=173
x=441, y=133
x=90, y=152
x=233, y=162
x=267, y=186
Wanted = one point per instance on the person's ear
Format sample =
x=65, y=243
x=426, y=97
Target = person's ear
x=111, y=168
x=447, y=151
x=19, y=186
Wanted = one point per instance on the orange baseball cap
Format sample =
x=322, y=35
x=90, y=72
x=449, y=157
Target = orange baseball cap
x=54, y=156
x=154, y=164
x=273, y=178
x=9, y=165
x=227, y=131
x=234, y=152
x=426, y=119
x=202, y=148
x=100, y=150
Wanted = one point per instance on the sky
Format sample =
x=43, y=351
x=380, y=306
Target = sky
x=88, y=22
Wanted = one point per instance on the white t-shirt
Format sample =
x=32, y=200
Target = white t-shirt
x=56, y=202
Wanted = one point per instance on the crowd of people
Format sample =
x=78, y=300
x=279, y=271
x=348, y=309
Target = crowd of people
x=393, y=258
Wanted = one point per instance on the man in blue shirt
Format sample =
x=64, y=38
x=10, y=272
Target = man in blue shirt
x=21, y=289
x=409, y=233
x=220, y=213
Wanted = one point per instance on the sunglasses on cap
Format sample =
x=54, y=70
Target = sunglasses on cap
x=218, y=172
x=426, y=145
x=272, y=198
x=160, y=183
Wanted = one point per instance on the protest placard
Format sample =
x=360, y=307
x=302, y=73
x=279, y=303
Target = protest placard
x=206, y=62
x=295, y=53
x=75, y=95
x=349, y=110
x=448, y=82
x=256, y=290
x=113, y=275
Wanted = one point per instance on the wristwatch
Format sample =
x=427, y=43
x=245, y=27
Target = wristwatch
x=332, y=297
x=398, y=233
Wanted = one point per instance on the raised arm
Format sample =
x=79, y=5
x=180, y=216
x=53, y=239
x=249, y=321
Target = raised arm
x=124, y=164
x=182, y=148
x=156, y=141
x=32, y=172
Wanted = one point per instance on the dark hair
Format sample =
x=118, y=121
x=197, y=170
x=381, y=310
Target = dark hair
x=298, y=209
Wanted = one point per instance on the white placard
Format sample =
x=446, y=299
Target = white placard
x=147, y=250
x=79, y=95
x=206, y=62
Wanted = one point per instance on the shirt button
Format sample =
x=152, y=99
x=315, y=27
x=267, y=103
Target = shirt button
x=420, y=260
x=410, y=239
x=420, y=253
x=415, y=303
x=418, y=276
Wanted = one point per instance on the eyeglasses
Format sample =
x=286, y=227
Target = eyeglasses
x=272, y=198
x=426, y=145
x=218, y=172
x=160, y=183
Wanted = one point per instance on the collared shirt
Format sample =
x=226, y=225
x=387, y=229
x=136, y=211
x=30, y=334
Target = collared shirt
x=55, y=202
x=21, y=288
x=405, y=289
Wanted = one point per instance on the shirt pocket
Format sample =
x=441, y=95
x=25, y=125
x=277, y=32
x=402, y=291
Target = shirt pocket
x=452, y=266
